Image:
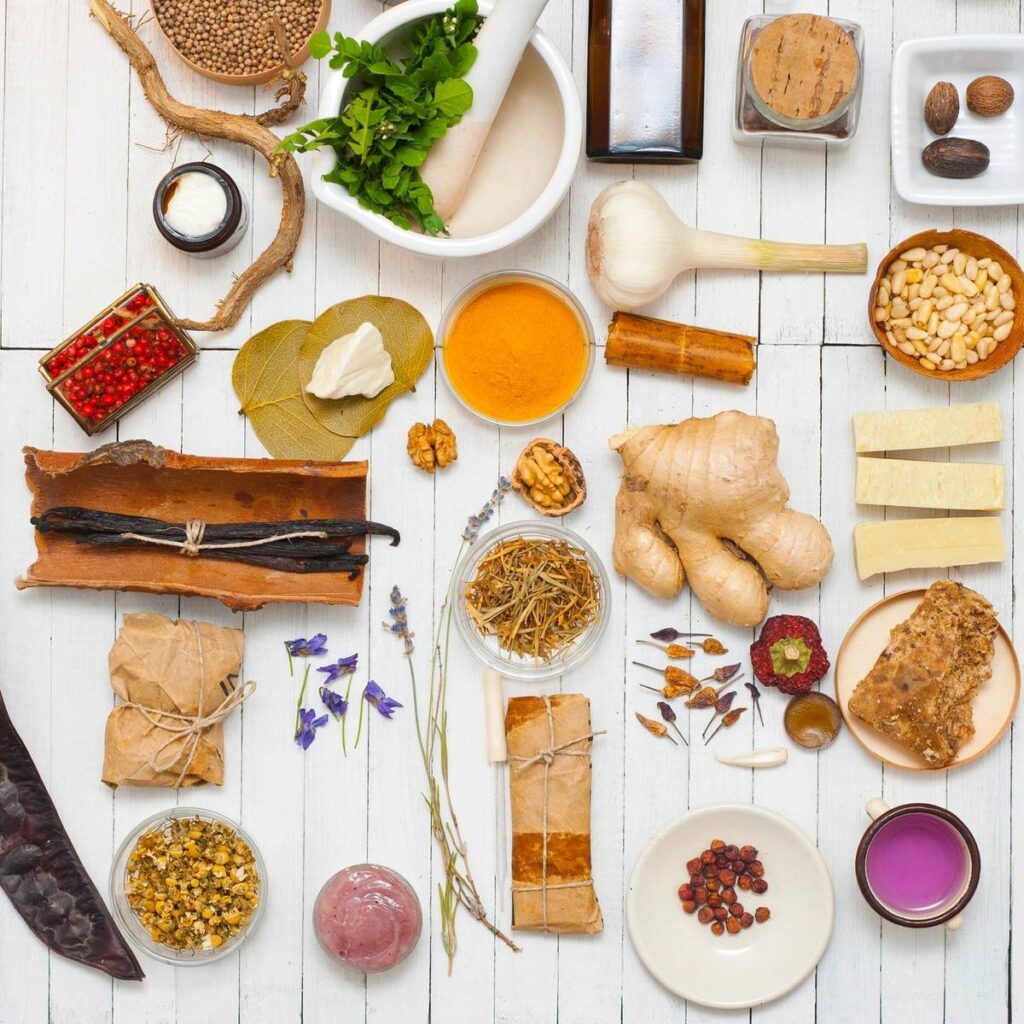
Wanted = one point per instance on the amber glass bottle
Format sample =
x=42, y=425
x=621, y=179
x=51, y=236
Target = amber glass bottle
x=645, y=81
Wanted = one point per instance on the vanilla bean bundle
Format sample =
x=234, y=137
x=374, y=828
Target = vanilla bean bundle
x=297, y=546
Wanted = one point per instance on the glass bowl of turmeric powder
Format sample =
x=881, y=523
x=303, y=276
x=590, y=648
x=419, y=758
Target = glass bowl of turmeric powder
x=516, y=348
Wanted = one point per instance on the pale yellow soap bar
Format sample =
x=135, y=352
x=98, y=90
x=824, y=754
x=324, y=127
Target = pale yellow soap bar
x=927, y=544
x=954, y=485
x=944, y=426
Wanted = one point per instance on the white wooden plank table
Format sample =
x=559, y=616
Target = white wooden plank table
x=81, y=154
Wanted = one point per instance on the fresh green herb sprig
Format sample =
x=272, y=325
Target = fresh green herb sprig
x=383, y=133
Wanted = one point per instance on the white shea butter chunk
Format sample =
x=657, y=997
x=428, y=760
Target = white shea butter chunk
x=354, y=364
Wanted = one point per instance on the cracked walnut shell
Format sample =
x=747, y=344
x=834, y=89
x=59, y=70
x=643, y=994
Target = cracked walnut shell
x=549, y=477
x=432, y=446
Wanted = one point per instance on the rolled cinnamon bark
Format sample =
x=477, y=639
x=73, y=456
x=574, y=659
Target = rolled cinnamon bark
x=645, y=343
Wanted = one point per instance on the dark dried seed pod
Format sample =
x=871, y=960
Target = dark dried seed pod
x=956, y=158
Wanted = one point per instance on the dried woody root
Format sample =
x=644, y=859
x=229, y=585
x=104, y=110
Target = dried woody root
x=246, y=129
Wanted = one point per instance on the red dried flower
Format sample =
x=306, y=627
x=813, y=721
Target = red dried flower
x=789, y=654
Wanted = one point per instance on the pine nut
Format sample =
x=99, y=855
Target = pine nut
x=915, y=254
x=1007, y=301
x=946, y=329
x=948, y=256
x=1002, y=332
x=1006, y=317
x=971, y=269
x=944, y=303
x=972, y=358
x=959, y=263
x=956, y=312
x=952, y=284
x=907, y=349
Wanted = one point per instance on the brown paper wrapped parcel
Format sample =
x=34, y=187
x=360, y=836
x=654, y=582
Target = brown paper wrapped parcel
x=549, y=741
x=172, y=677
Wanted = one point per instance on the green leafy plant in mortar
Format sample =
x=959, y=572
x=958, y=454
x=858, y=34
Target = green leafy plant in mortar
x=383, y=133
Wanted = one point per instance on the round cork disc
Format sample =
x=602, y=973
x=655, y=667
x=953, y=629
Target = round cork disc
x=803, y=65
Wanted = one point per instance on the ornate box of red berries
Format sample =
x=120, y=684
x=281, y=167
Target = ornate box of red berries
x=117, y=359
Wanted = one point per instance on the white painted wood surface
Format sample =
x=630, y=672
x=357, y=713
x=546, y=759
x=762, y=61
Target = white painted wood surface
x=81, y=154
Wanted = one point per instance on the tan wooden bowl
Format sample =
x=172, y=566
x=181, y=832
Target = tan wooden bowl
x=978, y=246
x=260, y=78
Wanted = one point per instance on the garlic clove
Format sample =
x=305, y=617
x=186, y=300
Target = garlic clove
x=765, y=757
x=354, y=364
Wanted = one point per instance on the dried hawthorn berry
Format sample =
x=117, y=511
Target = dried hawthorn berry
x=729, y=895
x=745, y=881
x=727, y=877
x=732, y=852
x=686, y=891
x=759, y=885
x=700, y=894
x=707, y=857
x=705, y=915
x=746, y=920
x=721, y=913
x=762, y=914
x=736, y=909
x=738, y=866
x=714, y=900
x=693, y=866
x=711, y=872
x=717, y=928
x=689, y=906
x=721, y=861
x=748, y=853
x=756, y=868
x=696, y=880
x=732, y=926
x=717, y=845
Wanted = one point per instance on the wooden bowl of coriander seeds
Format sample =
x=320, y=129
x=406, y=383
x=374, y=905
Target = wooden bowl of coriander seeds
x=960, y=295
x=237, y=43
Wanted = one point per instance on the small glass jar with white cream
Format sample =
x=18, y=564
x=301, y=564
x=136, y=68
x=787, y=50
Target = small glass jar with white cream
x=199, y=210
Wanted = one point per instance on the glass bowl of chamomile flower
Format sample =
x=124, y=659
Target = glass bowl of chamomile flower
x=188, y=886
x=531, y=600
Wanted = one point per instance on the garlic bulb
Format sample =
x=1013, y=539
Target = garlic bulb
x=765, y=757
x=354, y=364
x=636, y=247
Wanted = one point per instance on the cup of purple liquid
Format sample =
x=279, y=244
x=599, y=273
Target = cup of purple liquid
x=917, y=864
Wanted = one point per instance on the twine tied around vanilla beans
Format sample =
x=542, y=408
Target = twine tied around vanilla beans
x=193, y=545
x=546, y=757
x=189, y=727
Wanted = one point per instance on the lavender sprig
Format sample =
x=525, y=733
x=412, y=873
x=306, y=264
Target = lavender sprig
x=475, y=522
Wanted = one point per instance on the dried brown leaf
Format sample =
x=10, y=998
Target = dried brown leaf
x=407, y=338
x=267, y=385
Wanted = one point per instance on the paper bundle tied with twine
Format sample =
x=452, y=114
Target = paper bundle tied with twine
x=178, y=681
x=549, y=741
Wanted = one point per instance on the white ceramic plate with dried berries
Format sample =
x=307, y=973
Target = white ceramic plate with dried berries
x=724, y=857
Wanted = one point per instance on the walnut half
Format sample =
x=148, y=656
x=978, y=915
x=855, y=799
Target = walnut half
x=549, y=477
x=432, y=446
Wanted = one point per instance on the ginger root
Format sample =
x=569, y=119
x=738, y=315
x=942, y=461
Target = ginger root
x=690, y=488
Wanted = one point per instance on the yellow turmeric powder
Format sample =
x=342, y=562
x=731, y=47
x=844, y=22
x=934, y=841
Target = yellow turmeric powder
x=516, y=352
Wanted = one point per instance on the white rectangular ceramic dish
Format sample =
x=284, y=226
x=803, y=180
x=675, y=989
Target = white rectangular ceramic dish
x=917, y=65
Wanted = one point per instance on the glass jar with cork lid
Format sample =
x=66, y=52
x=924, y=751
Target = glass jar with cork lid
x=799, y=79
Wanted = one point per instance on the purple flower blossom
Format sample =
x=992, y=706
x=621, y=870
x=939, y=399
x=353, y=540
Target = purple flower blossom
x=308, y=724
x=343, y=666
x=474, y=523
x=334, y=702
x=374, y=695
x=399, y=625
x=314, y=647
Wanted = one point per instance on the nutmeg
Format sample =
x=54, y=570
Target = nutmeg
x=956, y=158
x=942, y=107
x=989, y=96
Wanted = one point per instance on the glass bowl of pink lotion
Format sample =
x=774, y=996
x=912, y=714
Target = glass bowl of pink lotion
x=367, y=917
x=917, y=864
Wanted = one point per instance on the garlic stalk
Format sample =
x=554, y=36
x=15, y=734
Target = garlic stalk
x=765, y=757
x=636, y=247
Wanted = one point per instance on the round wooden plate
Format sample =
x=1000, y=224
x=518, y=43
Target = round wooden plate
x=976, y=245
x=993, y=708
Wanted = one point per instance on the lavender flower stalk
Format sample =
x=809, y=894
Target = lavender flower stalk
x=459, y=887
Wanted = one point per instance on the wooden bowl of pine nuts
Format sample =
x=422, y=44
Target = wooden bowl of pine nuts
x=949, y=305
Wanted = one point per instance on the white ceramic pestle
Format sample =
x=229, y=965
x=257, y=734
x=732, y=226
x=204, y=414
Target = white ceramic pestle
x=500, y=45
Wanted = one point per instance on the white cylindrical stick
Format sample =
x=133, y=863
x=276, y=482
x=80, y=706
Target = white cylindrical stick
x=494, y=712
x=500, y=45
